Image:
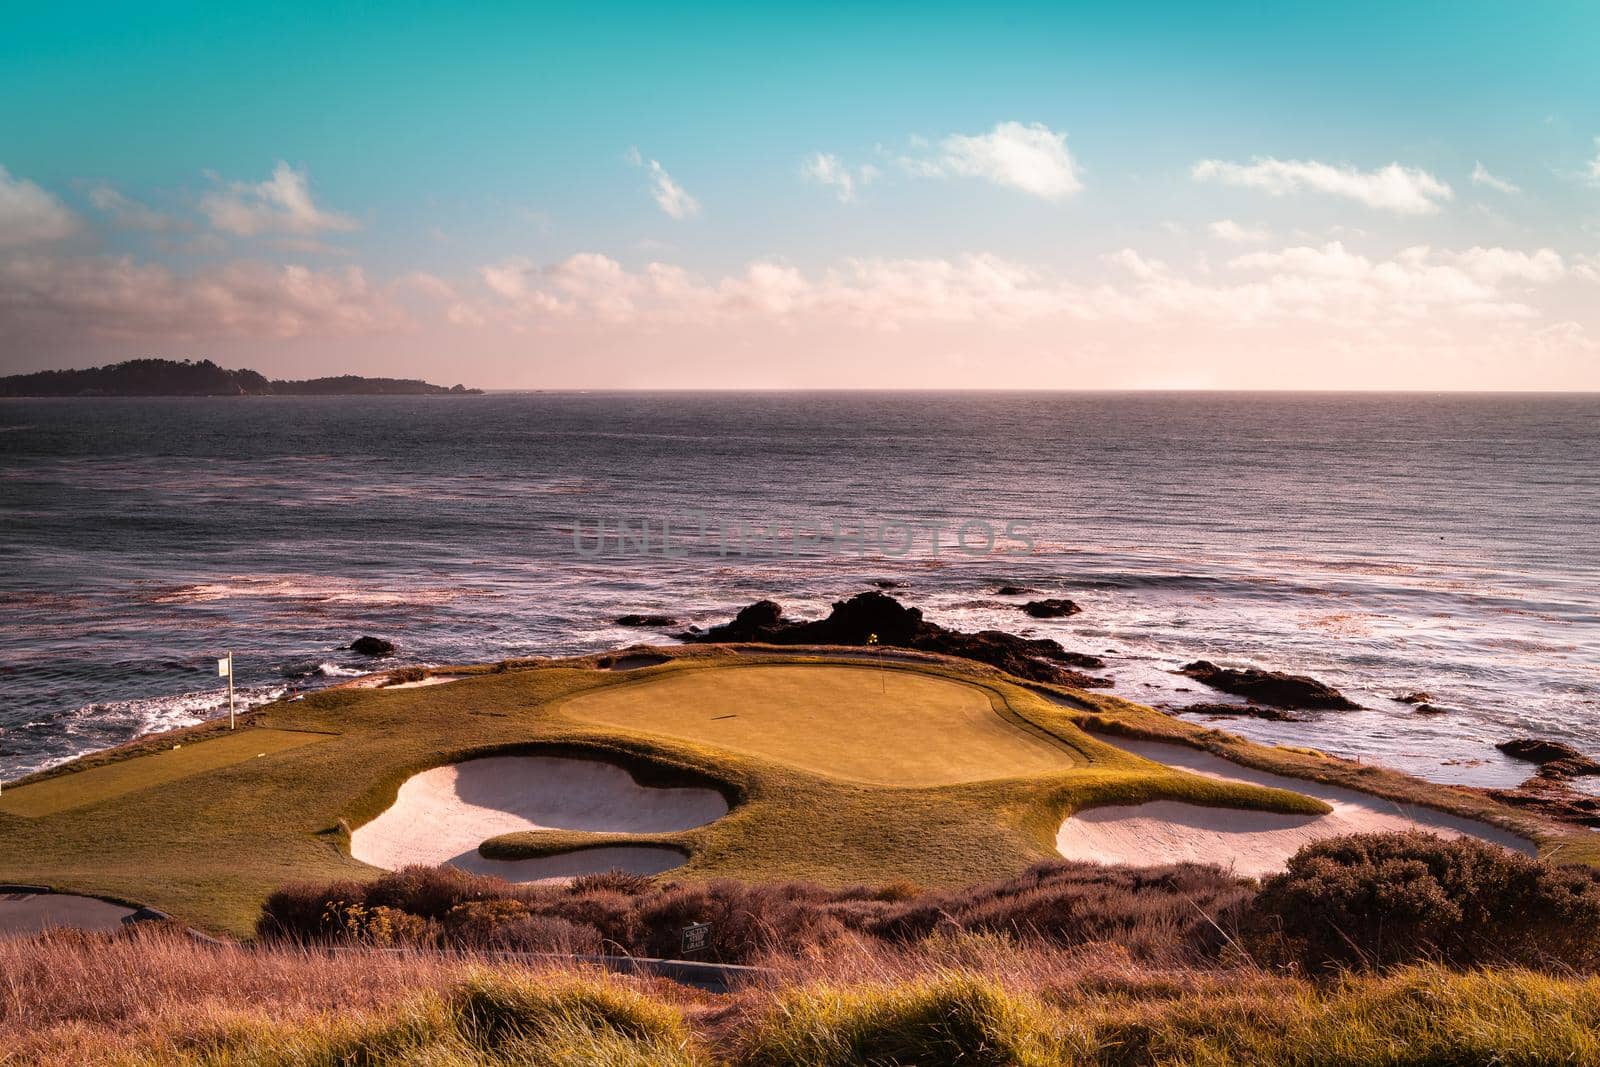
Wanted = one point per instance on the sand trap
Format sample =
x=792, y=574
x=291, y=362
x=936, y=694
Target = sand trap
x=443, y=814
x=423, y=683
x=635, y=859
x=1252, y=843
x=28, y=914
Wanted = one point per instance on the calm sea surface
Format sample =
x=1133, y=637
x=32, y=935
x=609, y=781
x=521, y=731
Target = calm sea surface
x=1382, y=543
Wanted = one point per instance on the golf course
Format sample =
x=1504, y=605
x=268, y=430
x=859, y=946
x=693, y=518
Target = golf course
x=749, y=762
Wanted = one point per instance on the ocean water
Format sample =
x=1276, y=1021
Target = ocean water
x=1381, y=543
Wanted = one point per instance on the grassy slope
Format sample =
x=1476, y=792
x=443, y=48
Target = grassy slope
x=210, y=846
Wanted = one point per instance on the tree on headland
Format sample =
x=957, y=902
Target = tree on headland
x=166, y=377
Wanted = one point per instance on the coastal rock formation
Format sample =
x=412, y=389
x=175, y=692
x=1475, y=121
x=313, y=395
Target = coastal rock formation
x=645, y=620
x=869, y=615
x=1557, y=760
x=1269, y=687
x=372, y=646
x=1418, y=697
x=1051, y=608
x=1014, y=590
x=1254, y=711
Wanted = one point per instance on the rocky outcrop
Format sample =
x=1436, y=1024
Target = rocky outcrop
x=877, y=618
x=1415, y=698
x=1014, y=590
x=1051, y=608
x=1269, y=687
x=372, y=646
x=1557, y=759
x=1254, y=711
x=645, y=620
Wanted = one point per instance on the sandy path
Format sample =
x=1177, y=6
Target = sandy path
x=443, y=814
x=1252, y=843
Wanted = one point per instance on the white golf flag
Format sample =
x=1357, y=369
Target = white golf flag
x=222, y=668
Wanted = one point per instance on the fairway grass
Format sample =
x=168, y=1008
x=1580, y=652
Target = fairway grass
x=78, y=789
x=939, y=774
x=877, y=725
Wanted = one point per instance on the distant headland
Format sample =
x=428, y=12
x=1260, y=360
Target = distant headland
x=167, y=377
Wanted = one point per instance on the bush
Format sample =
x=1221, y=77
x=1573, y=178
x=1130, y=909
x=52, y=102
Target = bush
x=1375, y=900
x=961, y=1020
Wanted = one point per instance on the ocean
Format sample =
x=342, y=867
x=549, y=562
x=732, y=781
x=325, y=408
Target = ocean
x=1381, y=543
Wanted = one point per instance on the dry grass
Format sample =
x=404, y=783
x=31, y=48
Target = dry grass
x=977, y=999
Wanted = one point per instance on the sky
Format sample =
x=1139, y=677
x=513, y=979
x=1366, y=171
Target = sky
x=1054, y=196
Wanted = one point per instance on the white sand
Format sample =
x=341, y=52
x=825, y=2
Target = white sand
x=432, y=679
x=1252, y=843
x=442, y=816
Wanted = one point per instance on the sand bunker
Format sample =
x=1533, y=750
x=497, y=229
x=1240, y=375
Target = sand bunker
x=635, y=859
x=443, y=814
x=26, y=914
x=1252, y=843
x=430, y=680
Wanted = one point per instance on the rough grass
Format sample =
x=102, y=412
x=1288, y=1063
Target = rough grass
x=978, y=999
x=209, y=847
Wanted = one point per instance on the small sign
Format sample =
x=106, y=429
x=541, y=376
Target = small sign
x=222, y=668
x=696, y=937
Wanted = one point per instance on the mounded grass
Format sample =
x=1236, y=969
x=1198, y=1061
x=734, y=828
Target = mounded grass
x=210, y=846
x=875, y=725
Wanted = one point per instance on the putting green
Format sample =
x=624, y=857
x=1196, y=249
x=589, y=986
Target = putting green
x=879, y=725
x=110, y=780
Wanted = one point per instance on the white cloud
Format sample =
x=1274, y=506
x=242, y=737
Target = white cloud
x=126, y=212
x=1228, y=230
x=281, y=204
x=120, y=297
x=30, y=215
x=1594, y=164
x=1328, y=285
x=1032, y=158
x=1403, y=190
x=669, y=196
x=825, y=168
x=1481, y=176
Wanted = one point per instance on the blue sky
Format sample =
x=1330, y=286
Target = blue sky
x=436, y=144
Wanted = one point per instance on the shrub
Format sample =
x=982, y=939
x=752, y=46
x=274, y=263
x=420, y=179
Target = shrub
x=568, y=1021
x=1375, y=900
x=961, y=1020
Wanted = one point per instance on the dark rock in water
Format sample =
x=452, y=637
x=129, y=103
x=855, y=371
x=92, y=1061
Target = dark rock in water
x=1415, y=698
x=1269, y=687
x=372, y=646
x=885, y=583
x=1014, y=590
x=1254, y=711
x=1575, y=767
x=645, y=620
x=879, y=618
x=1538, y=750
x=1429, y=709
x=1052, y=608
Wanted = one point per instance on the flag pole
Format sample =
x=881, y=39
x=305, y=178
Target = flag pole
x=231, y=718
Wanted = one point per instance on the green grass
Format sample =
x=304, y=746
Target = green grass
x=107, y=781
x=987, y=769
x=873, y=725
